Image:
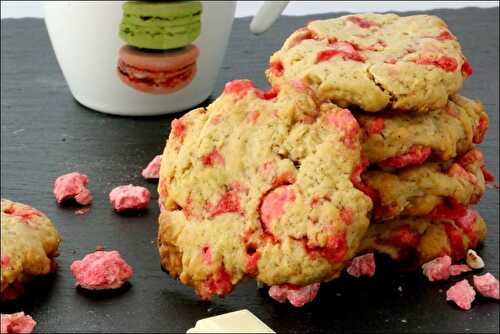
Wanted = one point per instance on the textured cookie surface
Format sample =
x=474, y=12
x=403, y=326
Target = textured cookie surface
x=29, y=244
x=441, y=134
x=259, y=185
x=419, y=240
x=428, y=189
x=375, y=61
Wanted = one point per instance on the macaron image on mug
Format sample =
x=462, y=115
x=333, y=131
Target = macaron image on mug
x=140, y=58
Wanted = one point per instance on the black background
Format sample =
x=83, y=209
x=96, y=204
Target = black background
x=45, y=133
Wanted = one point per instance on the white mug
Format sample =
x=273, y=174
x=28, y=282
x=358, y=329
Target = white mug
x=85, y=38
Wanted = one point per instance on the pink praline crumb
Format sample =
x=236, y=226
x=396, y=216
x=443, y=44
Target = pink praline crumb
x=437, y=269
x=5, y=261
x=72, y=185
x=101, y=270
x=152, y=170
x=461, y=294
x=129, y=197
x=363, y=265
x=487, y=285
x=457, y=269
x=296, y=295
x=17, y=323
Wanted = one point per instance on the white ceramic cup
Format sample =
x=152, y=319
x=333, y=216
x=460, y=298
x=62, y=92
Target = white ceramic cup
x=84, y=35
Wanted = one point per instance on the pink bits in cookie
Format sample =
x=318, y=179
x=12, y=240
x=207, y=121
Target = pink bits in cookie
x=437, y=269
x=487, y=285
x=5, y=261
x=267, y=95
x=273, y=204
x=480, y=130
x=206, y=254
x=253, y=116
x=238, y=87
x=179, y=128
x=448, y=64
x=228, y=203
x=449, y=210
x=152, y=170
x=415, y=156
x=216, y=284
x=467, y=68
x=345, y=50
x=129, y=197
x=461, y=294
x=358, y=182
x=458, y=171
x=345, y=121
x=346, y=216
x=24, y=213
x=375, y=126
x=361, y=22
x=301, y=35
x=277, y=68
x=403, y=236
x=471, y=157
x=445, y=35
x=101, y=270
x=213, y=158
x=17, y=323
x=363, y=265
x=457, y=269
x=296, y=295
x=335, y=249
x=72, y=185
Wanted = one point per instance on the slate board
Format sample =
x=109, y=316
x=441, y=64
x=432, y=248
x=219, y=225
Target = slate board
x=45, y=133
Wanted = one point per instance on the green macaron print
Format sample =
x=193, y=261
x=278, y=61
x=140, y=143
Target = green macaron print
x=160, y=25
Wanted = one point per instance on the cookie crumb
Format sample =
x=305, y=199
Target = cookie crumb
x=82, y=211
x=461, y=294
x=152, y=170
x=129, y=197
x=101, y=270
x=363, y=265
x=72, y=185
x=17, y=323
x=487, y=285
x=297, y=296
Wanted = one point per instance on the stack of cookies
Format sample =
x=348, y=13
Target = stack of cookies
x=363, y=144
x=400, y=77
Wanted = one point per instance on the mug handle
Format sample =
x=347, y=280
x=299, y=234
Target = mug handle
x=266, y=16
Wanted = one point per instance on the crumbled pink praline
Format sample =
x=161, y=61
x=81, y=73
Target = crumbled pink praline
x=457, y=269
x=437, y=269
x=17, y=323
x=487, y=285
x=297, y=296
x=363, y=265
x=461, y=294
x=152, y=170
x=101, y=270
x=129, y=197
x=72, y=185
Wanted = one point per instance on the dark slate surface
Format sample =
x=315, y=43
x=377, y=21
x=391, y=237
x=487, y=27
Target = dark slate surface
x=46, y=133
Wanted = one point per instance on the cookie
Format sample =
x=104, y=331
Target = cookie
x=29, y=244
x=258, y=185
x=428, y=189
x=375, y=61
x=399, y=140
x=419, y=240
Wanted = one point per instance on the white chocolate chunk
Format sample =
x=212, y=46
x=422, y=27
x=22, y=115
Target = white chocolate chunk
x=242, y=321
x=473, y=260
